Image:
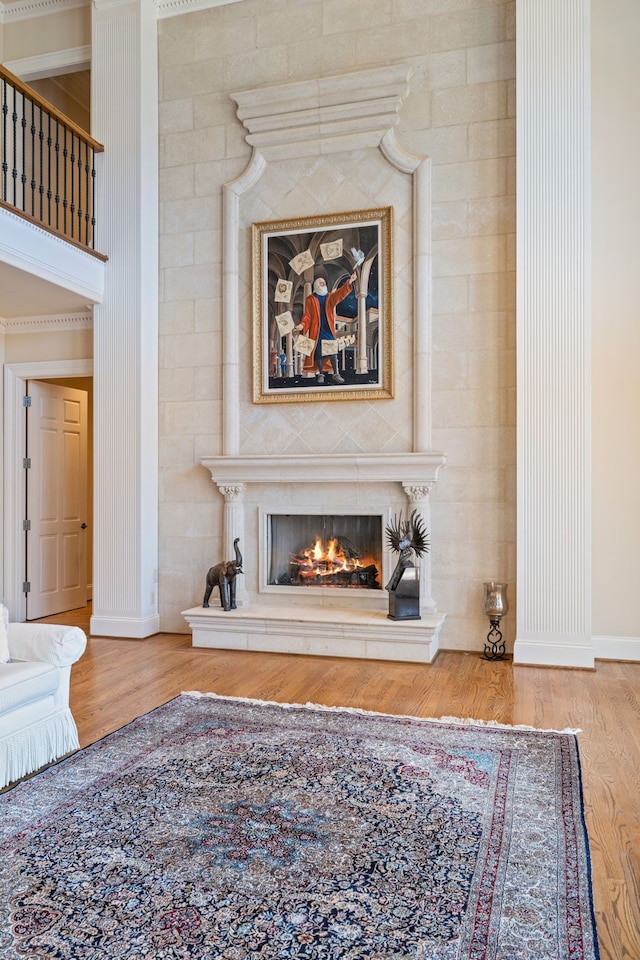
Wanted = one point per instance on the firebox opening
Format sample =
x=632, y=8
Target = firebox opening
x=325, y=551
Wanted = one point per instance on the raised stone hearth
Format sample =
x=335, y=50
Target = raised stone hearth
x=327, y=631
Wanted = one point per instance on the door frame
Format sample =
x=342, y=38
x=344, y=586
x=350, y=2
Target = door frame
x=16, y=376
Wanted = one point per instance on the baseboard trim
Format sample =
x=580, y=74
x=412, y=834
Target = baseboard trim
x=125, y=627
x=617, y=648
x=544, y=653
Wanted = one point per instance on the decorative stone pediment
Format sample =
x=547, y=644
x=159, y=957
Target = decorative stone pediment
x=327, y=115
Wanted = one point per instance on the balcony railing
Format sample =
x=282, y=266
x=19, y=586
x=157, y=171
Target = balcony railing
x=47, y=165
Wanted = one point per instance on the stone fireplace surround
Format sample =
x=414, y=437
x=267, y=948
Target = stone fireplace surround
x=331, y=622
x=343, y=114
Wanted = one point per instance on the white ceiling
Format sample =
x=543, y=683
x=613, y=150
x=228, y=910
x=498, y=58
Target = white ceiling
x=25, y=295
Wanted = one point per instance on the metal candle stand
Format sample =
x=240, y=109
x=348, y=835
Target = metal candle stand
x=495, y=605
x=494, y=648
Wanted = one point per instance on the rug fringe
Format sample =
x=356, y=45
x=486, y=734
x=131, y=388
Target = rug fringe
x=508, y=726
x=461, y=721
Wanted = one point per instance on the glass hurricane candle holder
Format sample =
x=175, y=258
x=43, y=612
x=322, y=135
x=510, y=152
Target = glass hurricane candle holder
x=495, y=606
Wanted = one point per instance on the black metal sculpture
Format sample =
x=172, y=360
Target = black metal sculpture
x=223, y=575
x=406, y=537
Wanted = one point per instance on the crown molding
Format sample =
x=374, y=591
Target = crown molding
x=52, y=323
x=11, y=12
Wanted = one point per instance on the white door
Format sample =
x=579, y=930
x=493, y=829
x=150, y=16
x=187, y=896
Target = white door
x=56, y=499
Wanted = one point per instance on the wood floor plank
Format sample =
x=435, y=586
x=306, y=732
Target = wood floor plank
x=117, y=680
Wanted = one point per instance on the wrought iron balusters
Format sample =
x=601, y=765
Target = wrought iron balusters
x=47, y=164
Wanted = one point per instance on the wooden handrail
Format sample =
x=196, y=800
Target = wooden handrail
x=31, y=94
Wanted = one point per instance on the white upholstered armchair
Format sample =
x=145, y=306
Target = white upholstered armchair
x=36, y=725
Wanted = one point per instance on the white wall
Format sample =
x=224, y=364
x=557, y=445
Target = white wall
x=39, y=345
x=616, y=324
x=50, y=33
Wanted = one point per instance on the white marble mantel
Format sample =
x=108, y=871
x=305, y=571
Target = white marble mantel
x=325, y=625
x=401, y=481
x=409, y=468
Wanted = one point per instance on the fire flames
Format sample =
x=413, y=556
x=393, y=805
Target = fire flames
x=323, y=561
x=335, y=562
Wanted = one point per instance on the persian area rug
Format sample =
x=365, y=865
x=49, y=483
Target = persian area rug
x=231, y=830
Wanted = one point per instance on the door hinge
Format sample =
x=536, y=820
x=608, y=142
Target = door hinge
x=26, y=525
x=26, y=401
x=26, y=463
x=26, y=586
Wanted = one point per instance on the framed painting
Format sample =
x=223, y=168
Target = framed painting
x=322, y=289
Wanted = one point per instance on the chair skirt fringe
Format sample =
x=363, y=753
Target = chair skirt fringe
x=27, y=750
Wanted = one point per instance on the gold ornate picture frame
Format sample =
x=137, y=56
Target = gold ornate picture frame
x=315, y=342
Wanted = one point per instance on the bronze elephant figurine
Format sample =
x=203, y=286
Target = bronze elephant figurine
x=223, y=576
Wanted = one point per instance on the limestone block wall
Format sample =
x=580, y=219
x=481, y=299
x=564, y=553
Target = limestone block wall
x=460, y=112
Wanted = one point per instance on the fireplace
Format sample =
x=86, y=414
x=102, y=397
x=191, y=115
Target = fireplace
x=323, y=551
x=286, y=509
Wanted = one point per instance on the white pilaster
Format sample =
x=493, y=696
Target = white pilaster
x=418, y=496
x=231, y=194
x=233, y=494
x=553, y=334
x=124, y=115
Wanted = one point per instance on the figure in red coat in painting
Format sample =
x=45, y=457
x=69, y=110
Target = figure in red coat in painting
x=318, y=323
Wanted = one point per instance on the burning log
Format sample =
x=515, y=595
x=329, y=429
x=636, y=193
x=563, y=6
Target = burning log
x=359, y=577
x=337, y=564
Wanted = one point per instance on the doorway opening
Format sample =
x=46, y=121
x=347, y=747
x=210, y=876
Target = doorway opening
x=58, y=500
x=17, y=376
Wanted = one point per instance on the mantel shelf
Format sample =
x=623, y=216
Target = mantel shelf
x=418, y=468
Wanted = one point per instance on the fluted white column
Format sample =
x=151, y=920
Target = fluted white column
x=124, y=117
x=553, y=334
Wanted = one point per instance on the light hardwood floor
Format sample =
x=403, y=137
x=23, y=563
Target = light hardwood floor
x=118, y=680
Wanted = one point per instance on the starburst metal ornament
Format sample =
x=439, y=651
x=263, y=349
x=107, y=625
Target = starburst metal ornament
x=408, y=538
